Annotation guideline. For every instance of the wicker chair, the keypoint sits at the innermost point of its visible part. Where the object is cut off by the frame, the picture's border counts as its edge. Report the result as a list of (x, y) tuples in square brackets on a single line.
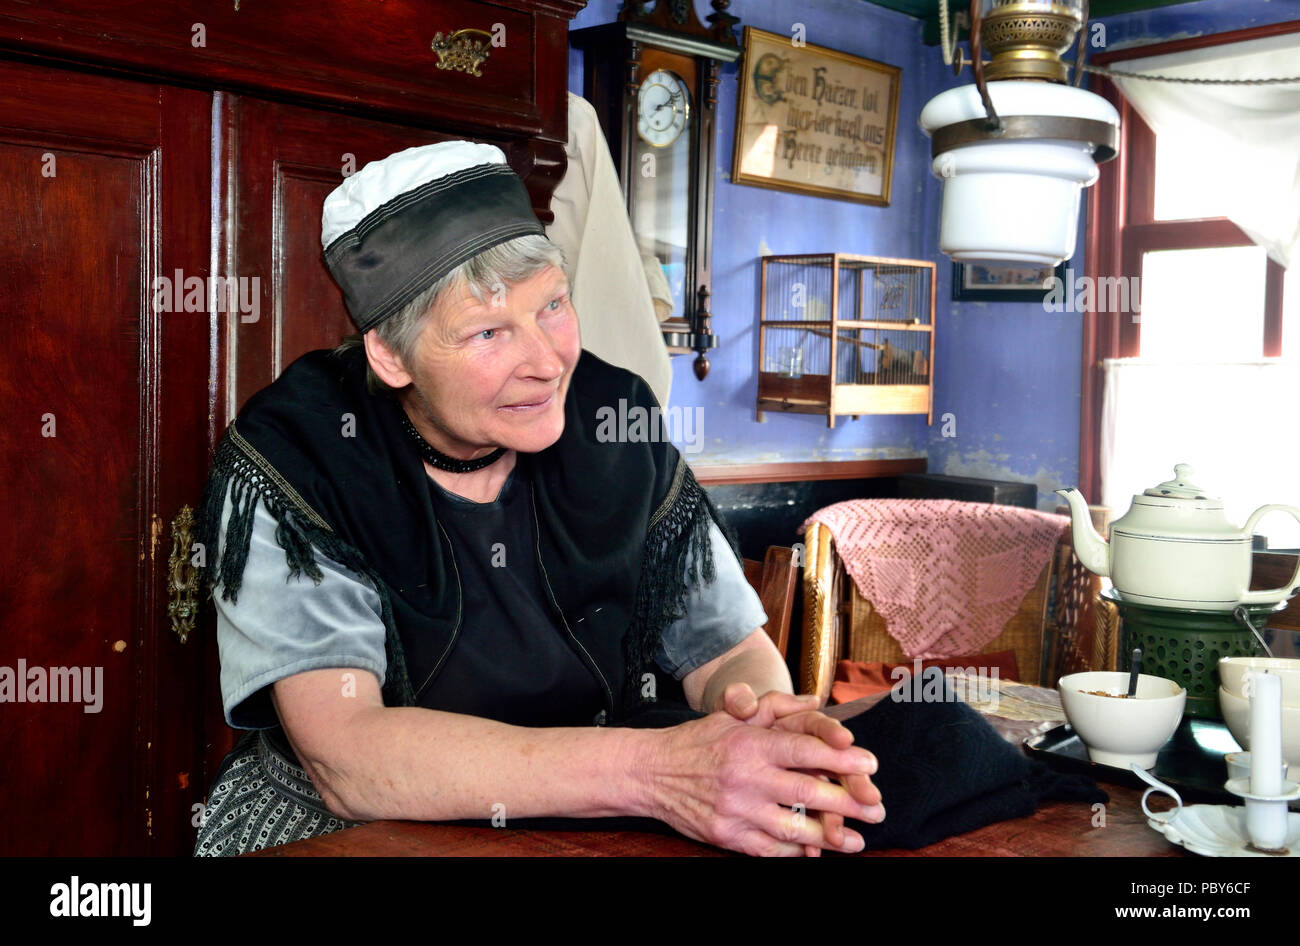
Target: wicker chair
[(1083, 629), (840, 624), (1105, 641)]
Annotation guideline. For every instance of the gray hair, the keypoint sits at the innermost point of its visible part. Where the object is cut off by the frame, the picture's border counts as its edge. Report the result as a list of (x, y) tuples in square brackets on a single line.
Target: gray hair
[(489, 272)]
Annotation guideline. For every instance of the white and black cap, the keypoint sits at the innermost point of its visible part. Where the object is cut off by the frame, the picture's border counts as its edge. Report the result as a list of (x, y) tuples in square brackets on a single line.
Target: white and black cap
[(398, 225)]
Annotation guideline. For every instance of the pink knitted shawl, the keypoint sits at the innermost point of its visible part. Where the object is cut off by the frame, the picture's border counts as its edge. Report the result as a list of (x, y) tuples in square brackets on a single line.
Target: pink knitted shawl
[(946, 576)]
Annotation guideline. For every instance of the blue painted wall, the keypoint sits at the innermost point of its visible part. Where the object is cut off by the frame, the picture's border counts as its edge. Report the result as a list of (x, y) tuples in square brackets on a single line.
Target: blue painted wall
[(750, 222), (1008, 373)]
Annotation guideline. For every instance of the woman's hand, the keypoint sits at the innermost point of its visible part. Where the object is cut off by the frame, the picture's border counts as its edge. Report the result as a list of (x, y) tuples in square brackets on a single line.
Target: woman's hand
[(801, 714), (733, 784)]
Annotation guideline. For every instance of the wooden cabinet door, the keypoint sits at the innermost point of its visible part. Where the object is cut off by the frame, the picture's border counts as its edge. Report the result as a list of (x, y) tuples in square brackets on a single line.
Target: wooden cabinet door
[(104, 187)]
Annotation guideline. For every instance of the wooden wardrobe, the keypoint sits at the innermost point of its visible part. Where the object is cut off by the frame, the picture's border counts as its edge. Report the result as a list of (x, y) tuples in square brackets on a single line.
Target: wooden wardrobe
[(144, 140)]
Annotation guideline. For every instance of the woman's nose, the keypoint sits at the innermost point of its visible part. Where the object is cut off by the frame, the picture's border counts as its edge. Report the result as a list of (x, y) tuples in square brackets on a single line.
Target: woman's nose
[(541, 357)]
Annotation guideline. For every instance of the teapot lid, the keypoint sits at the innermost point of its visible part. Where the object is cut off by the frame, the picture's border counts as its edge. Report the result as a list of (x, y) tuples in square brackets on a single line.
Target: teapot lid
[(1180, 487)]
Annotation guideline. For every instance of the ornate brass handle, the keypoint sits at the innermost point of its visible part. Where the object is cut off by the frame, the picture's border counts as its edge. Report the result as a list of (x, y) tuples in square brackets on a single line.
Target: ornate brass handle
[(461, 51), (182, 576)]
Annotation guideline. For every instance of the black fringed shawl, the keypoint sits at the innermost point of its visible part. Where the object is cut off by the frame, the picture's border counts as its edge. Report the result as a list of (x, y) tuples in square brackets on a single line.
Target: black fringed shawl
[(330, 462)]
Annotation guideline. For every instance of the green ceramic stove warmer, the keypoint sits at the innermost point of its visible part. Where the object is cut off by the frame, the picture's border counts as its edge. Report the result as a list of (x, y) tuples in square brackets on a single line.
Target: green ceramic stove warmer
[(1185, 645)]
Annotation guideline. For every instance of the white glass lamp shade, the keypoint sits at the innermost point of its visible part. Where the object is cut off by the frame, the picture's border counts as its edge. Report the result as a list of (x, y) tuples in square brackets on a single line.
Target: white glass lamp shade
[(1014, 200)]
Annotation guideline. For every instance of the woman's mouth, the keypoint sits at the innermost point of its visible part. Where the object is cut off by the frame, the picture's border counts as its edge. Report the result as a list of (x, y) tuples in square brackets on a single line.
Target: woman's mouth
[(528, 407)]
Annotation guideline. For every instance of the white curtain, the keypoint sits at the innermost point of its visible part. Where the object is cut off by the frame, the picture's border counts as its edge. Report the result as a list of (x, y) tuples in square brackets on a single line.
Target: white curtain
[(1235, 424), (1245, 139)]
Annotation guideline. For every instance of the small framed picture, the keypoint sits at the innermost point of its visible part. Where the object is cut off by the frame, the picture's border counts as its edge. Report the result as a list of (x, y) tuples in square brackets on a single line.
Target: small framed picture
[(1003, 282)]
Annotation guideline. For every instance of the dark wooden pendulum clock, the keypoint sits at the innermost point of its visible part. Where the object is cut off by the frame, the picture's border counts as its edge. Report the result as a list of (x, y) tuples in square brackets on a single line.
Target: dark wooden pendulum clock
[(652, 78)]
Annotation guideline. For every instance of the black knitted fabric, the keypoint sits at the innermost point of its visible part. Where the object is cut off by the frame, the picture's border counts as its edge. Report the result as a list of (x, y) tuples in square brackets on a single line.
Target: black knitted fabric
[(945, 771)]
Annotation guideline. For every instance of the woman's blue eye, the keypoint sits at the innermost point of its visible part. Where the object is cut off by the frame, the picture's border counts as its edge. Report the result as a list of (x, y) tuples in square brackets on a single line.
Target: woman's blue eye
[(487, 334), (554, 304)]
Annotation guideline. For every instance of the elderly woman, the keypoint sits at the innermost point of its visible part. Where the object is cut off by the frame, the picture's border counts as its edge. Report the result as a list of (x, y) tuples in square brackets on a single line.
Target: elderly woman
[(507, 615)]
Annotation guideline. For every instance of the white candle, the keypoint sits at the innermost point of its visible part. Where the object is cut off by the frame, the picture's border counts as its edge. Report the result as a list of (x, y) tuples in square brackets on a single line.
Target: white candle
[(1265, 733)]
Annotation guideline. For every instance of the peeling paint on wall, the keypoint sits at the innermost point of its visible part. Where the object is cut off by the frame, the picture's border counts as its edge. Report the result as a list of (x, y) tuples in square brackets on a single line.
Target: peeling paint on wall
[(739, 457), (985, 465)]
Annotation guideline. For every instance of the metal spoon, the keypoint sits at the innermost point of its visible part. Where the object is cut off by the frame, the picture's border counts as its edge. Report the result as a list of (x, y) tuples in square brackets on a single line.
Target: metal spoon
[(1133, 674)]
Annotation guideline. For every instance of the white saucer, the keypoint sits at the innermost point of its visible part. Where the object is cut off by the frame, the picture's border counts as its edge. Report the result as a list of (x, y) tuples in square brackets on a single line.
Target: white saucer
[(1220, 831)]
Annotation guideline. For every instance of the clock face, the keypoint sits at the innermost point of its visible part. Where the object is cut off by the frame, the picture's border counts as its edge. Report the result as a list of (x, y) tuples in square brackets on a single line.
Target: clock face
[(663, 108)]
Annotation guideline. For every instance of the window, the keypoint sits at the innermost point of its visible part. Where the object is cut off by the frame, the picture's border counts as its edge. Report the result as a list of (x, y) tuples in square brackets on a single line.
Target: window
[(1200, 302), (1208, 370)]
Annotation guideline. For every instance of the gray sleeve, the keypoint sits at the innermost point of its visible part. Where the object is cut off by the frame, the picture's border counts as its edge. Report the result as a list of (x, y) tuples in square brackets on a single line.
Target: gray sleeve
[(718, 616), (282, 626)]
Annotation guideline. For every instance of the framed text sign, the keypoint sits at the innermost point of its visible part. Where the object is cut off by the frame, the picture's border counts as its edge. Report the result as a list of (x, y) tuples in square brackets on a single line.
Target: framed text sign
[(814, 121)]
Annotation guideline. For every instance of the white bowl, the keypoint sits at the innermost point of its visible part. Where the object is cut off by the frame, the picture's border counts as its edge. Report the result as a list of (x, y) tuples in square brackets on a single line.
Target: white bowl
[(1121, 731), (1232, 674), (1236, 714)]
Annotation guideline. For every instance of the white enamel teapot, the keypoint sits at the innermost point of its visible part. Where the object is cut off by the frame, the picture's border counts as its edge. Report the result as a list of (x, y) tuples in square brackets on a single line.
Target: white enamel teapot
[(1175, 548)]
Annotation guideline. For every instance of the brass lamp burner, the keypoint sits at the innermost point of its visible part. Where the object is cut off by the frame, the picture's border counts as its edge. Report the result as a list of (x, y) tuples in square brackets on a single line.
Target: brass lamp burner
[(1027, 39)]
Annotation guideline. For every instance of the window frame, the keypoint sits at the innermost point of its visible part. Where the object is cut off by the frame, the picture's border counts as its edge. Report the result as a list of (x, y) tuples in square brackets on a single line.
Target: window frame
[(1122, 227)]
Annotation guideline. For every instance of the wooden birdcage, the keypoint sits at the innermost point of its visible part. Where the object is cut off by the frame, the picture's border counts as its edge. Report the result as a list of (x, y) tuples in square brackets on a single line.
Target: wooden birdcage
[(879, 313)]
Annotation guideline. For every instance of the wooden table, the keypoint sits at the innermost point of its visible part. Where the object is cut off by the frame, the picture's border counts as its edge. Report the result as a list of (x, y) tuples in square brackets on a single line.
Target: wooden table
[(1058, 829)]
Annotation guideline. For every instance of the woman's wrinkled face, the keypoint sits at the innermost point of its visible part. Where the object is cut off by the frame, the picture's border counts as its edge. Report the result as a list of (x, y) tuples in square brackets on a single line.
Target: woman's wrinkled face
[(495, 373)]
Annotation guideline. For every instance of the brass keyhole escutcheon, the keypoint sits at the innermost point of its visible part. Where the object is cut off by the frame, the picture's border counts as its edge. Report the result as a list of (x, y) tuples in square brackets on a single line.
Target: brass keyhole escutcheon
[(182, 576)]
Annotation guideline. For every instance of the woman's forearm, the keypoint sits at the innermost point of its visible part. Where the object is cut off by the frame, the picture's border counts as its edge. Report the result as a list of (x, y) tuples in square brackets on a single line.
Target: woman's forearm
[(762, 668), (423, 765), (716, 779)]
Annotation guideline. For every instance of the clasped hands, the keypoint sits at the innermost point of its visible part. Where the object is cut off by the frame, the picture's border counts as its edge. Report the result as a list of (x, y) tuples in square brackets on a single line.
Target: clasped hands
[(801, 714), (768, 775)]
